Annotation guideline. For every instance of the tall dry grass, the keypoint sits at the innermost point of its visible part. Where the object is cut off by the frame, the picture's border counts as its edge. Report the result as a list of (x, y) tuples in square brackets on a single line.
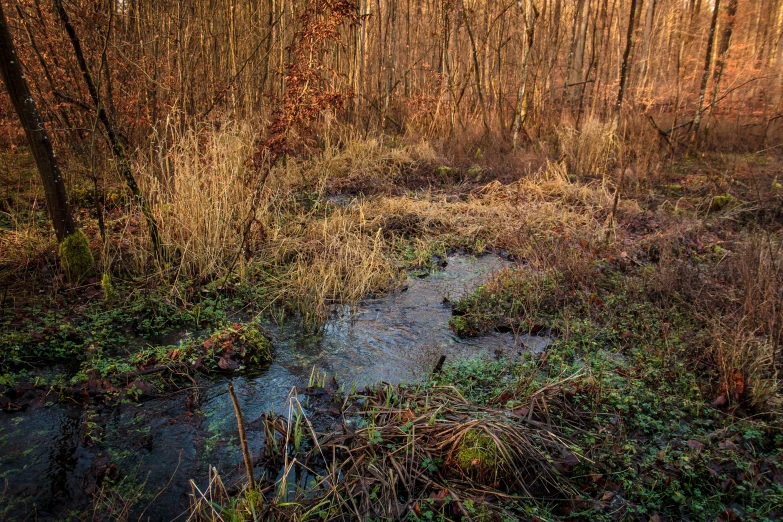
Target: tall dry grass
[(202, 191), (747, 346), (328, 258), (590, 150), (319, 253)]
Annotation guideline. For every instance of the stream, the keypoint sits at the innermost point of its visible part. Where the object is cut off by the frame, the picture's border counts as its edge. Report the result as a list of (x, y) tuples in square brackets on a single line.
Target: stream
[(53, 456)]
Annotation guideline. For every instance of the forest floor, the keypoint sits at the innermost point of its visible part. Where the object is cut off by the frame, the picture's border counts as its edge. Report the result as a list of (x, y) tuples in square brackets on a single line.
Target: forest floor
[(658, 400)]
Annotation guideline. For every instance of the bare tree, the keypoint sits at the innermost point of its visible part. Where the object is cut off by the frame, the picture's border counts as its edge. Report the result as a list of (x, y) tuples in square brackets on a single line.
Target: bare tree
[(723, 48), (626, 56), (705, 75)]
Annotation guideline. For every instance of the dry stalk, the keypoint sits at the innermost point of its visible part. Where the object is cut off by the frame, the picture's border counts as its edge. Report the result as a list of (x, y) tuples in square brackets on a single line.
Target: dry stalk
[(242, 438)]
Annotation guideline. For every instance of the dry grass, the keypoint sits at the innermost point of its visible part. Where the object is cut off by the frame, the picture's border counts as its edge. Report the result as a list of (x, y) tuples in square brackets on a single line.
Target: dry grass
[(25, 235), (745, 304), (202, 192), (371, 165), (22, 242), (320, 253), (317, 253), (511, 216), (591, 150), (320, 260), (314, 252), (444, 448), (744, 366)]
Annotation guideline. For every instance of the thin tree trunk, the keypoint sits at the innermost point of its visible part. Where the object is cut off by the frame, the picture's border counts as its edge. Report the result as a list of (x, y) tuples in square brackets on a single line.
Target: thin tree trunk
[(626, 57), (477, 70), (530, 16), (705, 76), (648, 27), (723, 49)]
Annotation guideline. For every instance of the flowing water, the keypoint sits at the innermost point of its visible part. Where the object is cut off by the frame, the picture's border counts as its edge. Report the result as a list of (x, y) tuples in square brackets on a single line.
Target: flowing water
[(53, 456)]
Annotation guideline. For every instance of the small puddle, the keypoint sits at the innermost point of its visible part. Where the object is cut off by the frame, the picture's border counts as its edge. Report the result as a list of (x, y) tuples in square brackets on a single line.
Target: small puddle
[(47, 464)]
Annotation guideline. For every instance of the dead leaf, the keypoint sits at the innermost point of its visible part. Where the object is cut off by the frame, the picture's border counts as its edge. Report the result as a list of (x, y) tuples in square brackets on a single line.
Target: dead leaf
[(226, 363), (727, 445), (694, 444)]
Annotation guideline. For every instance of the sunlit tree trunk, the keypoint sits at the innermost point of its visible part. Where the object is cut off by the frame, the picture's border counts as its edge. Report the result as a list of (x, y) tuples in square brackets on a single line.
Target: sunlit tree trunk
[(476, 70), (529, 14), (705, 76), (723, 48), (626, 57)]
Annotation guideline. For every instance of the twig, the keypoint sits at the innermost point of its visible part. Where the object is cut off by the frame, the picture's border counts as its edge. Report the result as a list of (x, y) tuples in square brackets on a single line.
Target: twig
[(242, 438), (616, 196)]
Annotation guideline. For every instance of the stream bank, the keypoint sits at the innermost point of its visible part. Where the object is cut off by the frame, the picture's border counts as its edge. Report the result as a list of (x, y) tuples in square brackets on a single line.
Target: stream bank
[(56, 456)]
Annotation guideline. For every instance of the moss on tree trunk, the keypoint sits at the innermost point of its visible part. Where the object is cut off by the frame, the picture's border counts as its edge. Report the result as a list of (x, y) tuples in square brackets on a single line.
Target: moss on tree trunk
[(76, 257)]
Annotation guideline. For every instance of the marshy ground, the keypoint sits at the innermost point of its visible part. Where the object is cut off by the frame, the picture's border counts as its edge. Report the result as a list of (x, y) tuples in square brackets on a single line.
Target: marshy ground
[(656, 277)]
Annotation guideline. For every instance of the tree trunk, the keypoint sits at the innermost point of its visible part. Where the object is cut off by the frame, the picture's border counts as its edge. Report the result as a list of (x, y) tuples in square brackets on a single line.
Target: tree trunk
[(648, 29), (477, 70), (530, 16), (37, 136), (705, 76), (626, 57), (723, 47)]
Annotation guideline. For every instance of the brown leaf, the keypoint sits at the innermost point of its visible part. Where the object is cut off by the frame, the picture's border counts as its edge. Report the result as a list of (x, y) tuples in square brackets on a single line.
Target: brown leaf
[(694, 444), (727, 445), (227, 363), (567, 462)]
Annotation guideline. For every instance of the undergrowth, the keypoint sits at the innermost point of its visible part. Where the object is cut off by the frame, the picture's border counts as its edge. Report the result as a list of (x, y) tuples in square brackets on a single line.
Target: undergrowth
[(659, 398)]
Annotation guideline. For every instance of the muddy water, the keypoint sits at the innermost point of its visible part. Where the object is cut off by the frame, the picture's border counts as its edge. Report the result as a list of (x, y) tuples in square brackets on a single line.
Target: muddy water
[(52, 457)]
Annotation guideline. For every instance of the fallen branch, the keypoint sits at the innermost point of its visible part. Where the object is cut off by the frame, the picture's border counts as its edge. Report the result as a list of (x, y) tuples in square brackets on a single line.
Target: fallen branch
[(242, 438)]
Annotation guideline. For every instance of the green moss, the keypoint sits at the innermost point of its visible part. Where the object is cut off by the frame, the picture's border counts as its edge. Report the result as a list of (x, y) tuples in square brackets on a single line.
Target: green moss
[(443, 171), (718, 202), (475, 172), (462, 327), (75, 256), (515, 299), (109, 292), (478, 457)]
